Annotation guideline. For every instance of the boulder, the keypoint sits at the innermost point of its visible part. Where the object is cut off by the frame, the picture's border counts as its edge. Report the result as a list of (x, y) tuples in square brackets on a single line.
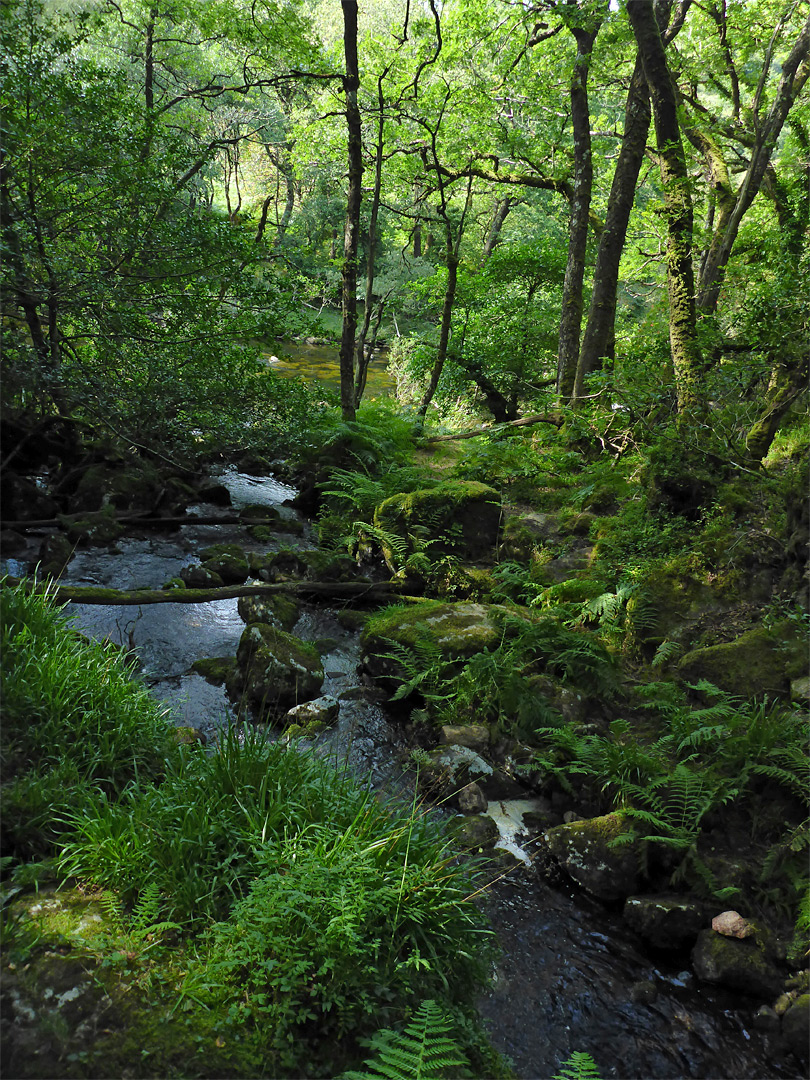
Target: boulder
[(796, 1027), (474, 736), (200, 577), (472, 800), (450, 631), (666, 921), (94, 528), (461, 515), (55, 553), (276, 670), (583, 849), (760, 661), (736, 964), (322, 711), (279, 611), (478, 833), (228, 561)]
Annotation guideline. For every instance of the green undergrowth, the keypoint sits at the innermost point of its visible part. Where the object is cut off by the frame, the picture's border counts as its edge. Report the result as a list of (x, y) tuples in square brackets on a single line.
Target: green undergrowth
[(266, 910), (695, 777)]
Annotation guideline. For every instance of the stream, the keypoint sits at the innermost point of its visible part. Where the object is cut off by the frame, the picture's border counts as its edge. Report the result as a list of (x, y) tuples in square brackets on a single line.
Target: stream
[(571, 975)]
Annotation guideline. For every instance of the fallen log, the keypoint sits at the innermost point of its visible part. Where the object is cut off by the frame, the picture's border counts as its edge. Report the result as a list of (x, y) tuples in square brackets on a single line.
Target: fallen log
[(137, 519), (535, 418), (330, 590)]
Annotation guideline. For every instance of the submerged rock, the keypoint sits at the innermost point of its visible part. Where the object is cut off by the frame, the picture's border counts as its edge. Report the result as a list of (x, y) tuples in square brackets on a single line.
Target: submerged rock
[(666, 921), (275, 670), (583, 849)]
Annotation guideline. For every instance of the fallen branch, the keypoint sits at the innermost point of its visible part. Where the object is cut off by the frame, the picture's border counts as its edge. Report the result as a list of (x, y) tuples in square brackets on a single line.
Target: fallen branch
[(332, 590), (137, 519), (535, 418)]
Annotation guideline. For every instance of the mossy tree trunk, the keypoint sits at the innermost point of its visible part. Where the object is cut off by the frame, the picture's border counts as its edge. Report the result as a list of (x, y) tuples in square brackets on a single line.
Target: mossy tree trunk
[(351, 85), (686, 355), (572, 301)]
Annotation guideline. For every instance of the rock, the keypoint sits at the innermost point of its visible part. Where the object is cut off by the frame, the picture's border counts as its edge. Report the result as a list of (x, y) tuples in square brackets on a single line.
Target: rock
[(665, 921), (459, 764), (279, 611), (474, 736), (130, 485), (217, 494), (228, 561), (766, 1019), (95, 528), (479, 833), (737, 965), (796, 1027), (214, 669), (54, 554), (188, 736), (472, 800), (259, 512), (462, 515), (200, 577), (732, 924), (760, 661), (451, 631), (583, 849), (322, 710), (800, 690), (644, 992), (277, 670)]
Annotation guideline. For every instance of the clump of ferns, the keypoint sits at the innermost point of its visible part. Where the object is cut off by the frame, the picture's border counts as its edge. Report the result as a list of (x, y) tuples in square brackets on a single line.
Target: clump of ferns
[(623, 617)]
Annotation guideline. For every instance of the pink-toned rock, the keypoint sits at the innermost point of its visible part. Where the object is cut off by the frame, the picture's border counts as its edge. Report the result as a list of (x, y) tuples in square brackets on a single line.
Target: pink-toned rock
[(732, 924)]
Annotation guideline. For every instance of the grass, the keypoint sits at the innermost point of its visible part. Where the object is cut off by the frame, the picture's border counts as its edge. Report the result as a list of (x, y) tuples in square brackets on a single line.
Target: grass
[(255, 893)]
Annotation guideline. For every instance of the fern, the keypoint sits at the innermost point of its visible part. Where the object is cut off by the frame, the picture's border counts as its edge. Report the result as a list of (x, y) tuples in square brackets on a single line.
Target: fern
[(668, 650), (580, 1066), (422, 1051)]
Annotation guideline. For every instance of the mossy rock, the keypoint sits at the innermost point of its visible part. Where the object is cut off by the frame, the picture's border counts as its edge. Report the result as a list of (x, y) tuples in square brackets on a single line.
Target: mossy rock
[(760, 661), (450, 631), (200, 577), (667, 921), (229, 561), (584, 850), (133, 485), (277, 670), (796, 1027), (214, 669), (54, 554), (736, 964), (279, 611), (327, 566), (463, 516), (475, 833), (96, 528), (259, 512)]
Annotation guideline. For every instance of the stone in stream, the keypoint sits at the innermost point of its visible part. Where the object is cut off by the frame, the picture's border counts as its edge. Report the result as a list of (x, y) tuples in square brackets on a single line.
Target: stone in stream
[(666, 921), (322, 711), (741, 965), (796, 1027), (275, 670), (227, 560), (583, 849), (279, 611)]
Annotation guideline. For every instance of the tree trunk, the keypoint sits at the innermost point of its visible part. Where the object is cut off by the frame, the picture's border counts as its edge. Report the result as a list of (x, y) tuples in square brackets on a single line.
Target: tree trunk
[(572, 302), (362, 355), (351, 85), (686, 357), (502, 208), (444, 333), (598, 340)]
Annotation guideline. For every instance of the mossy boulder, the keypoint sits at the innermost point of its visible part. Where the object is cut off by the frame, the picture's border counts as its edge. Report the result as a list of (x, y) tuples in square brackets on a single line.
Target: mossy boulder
[(475, 833), (200, 577), (275, 670), (796, 1027), (229, 561), (313, 716), (54, 554), (449, 631), (586, 851), (666, 921), (214, 669), (760, 661), (737, 964), (131, 485), (95, 528), (462, 516), (279, 611)]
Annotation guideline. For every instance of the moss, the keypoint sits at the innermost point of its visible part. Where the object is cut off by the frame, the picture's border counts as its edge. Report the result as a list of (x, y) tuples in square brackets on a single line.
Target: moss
[(214, 669), (262, 533), (738, 965), (462, 515), (228, 561), (760, 661), (96, 528)]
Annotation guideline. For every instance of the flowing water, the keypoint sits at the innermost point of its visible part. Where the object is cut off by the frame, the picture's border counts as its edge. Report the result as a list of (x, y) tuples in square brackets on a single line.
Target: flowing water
[(571, 975)]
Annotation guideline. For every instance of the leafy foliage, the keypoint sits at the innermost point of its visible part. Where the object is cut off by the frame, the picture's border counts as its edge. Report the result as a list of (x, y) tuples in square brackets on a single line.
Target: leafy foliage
[(580, 1066), (423, 1050)]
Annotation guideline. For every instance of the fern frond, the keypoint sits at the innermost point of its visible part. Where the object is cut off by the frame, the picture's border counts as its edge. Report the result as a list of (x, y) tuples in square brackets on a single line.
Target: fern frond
[(423, 1051), (580, 1066)]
